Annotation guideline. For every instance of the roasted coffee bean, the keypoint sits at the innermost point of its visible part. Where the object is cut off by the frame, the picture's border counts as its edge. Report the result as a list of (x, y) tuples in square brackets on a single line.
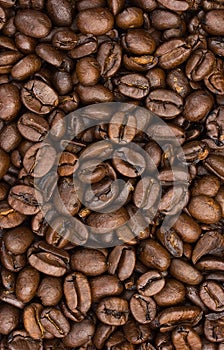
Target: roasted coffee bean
[(113, 311), (102, 286), (79, 334), (90, 65), (96, 21), (38, 97), (138, 42), (133, 85), (147, 193), (128, 162), (185, 337), (91, 262), (62, 15), (33, 127), (173, 53), (205, 209), (9, 93), (196, 98), (50, 291), (200, 64), (38, 24), (109, 58), (18, 240), (54, 322), (27, 283), (25, 199), (153, 255), (166, 104), (9, 317), (143, 308), (212, 22), (184, 272), (121, 262), (130, 18)]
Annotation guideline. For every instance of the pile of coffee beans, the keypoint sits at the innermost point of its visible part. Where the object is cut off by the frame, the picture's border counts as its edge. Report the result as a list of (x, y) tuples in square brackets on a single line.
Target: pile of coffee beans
[(111, 174)]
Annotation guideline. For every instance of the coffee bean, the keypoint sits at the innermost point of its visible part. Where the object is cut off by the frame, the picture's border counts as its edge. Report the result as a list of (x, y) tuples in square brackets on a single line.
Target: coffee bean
[(205, 209), (62, 15), (37, 24), (167, 104), (27, 283), (113, 311), (9, 316), (10, 110), (96, 21)]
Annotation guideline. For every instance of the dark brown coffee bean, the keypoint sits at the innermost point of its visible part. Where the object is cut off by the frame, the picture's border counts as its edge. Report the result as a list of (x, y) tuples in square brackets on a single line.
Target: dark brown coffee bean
[(90, 65), (90, 262), (50, 291), (27, 283), (48, 263), (9, 318), (213, 327), (136, 334), (187, 228), (195, 99), (113, 311), (146, 193), (18, 240), (26, 67), (96, 21), (173, 53), (213, 22), (9, 217), (9, 93), (10, 137), (105, 285), (200, 64), (25, 199), (121, 262), (205, 209), (130, 18), (7, 59), (5, 162), (122, 127), (37, 24), (164, 103), (128, 162), (175, 5), (54, 322), (60, 12), (184, 272), (170, 317), (143, 308), (185, 337), (214, 81), (178, 82), (172, 293), (25, 43), (139, 42), (33, 127), (171, 241), (109, 58), (64, 39), (38, 97), (150, 283), (79, 334), (214, 163), (153, 255), (133, 85), (94, 94), (212, 295)]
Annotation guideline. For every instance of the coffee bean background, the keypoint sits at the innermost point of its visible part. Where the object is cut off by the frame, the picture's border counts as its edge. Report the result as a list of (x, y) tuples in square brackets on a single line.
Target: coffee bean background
[(117, 286)]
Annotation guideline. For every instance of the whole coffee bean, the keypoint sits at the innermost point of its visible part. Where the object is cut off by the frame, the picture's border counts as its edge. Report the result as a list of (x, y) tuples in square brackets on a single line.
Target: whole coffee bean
[(50, 291), (38, 24), (77, 294), (195, 99), (18, 240), (60, 12), (79, 334), (64, 39), (91, 262), (171, 241), (33, 127), (25, 199), (143, 308), (85, 46), (185, 337), (178, 82), (150, 283), (165, 103), (27, 283), (171, 19), (153, 255), (38, 97), (9, 318), (47, 263), (172, 293), (22, 340), (94, 94), (187, 228), (26, 67), (9, 217), (109, 58), (184, 272), (200, 64), (138, 42), (205, 209), (90, 65), (212, 22), (10, 137), (96, 21), (25, 43), (35, 162), (113, 311), (51, 55), (121, 262), (146, 193), (5, 162), (133, 85), (136, 334), (128, 162), (170, 317), (213, 327), (212, 294), (173, 53), (105, 285), (214, 163), (130, 18), (215, 125), (9, 110), (54, 322)]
